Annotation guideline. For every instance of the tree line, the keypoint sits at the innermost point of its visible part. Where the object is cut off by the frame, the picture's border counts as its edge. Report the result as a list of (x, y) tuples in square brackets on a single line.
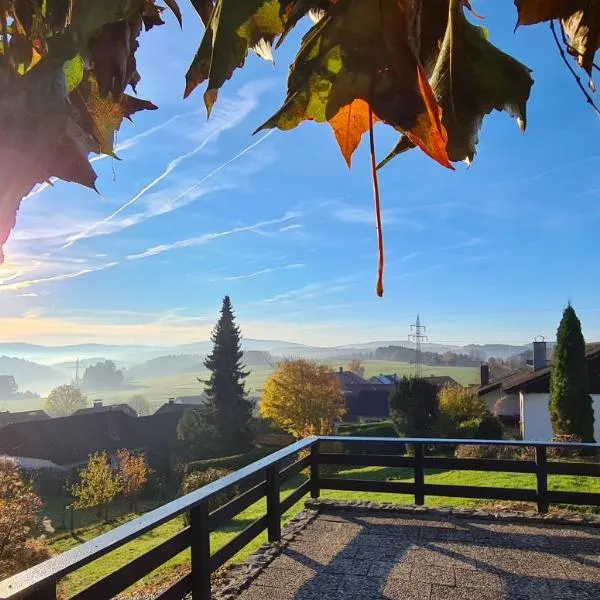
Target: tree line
[(403, 354)]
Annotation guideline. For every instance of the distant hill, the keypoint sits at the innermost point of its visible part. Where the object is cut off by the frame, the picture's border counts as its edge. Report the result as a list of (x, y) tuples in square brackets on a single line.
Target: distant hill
[(30, 375), (158, 361), (165, 366)]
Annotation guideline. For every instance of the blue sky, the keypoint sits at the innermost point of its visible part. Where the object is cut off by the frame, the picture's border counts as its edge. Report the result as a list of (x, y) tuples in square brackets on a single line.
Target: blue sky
[(198, 209)]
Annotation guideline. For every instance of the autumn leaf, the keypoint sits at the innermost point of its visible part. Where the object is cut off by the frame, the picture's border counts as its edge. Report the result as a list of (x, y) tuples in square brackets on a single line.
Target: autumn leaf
[(204, 9), (293, 10), (539, 11), (580, 20), (470, 79), (348, 57), (40, 134), (101, 116), (233, 29), (349, 124)]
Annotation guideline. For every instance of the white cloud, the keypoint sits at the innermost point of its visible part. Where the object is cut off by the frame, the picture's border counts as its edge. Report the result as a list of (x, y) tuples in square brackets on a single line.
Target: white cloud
[(25, 283)]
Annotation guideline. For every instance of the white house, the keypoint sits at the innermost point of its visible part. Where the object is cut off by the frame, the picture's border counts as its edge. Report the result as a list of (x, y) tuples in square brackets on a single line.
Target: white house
[(496, 399), (533, 391)]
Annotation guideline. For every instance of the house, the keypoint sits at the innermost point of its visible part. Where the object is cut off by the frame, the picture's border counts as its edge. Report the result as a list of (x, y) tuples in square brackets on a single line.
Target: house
[(533, 391), (365, 400), (494, 393), (172, 406), (439, 381), (70, 440), (98, 407), (8, 418)]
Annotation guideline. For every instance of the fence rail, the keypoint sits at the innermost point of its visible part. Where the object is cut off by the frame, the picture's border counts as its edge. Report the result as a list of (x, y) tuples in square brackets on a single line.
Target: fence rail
[(266, 477)]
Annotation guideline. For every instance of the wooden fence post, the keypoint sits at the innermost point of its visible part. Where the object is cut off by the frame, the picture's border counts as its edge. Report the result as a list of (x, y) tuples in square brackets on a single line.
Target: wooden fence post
[(419, 475), (541, 475), (200, 551), (315, 490), (273, 507)]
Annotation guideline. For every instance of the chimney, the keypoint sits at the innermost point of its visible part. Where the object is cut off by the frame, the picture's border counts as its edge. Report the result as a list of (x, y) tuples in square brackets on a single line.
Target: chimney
[(341, 369), (484, 372), (171, 401), (97, 403), (539, 353)]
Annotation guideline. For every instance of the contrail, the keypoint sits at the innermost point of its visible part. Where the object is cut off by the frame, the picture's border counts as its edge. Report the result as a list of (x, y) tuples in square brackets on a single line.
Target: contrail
[(225, 165), (124, 145), (170, 167)]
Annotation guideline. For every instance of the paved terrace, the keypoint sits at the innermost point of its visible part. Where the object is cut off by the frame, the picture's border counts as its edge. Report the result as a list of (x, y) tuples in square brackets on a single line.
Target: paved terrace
[(366, 555)]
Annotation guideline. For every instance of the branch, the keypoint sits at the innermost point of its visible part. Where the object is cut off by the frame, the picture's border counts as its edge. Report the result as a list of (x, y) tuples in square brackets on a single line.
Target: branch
[(577, 78)]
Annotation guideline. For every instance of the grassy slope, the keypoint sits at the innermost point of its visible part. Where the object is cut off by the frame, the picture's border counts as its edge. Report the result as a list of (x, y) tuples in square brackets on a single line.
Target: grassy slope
[(99, 568)]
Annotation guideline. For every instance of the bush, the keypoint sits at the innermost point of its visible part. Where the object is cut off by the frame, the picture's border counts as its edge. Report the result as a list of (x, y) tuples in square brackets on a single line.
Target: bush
[(490, 428), (502, 452), (198, 479)]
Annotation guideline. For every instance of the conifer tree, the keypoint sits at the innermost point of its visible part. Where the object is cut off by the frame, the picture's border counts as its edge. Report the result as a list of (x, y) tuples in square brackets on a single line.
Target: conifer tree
[(571, 409), (227, 408)]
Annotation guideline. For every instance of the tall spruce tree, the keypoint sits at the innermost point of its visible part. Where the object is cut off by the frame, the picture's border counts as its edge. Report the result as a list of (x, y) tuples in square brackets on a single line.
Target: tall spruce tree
[(227, 409), (571, 408)]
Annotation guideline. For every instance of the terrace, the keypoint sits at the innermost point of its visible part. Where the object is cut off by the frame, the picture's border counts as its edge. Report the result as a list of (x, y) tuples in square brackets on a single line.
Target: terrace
[(366, 552)]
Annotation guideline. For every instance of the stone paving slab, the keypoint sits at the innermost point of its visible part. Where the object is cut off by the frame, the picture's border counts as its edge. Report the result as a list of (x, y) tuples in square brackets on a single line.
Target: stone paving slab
[(366, 555)]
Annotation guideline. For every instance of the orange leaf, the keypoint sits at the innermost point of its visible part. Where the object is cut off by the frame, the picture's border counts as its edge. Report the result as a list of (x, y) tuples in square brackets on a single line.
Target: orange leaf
[(429, 133), (349, 124)]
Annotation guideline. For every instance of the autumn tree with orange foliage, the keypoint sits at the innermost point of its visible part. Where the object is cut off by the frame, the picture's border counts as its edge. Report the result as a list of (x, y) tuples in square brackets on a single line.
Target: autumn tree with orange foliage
[(303, 398), (132, 473), (19, 519)]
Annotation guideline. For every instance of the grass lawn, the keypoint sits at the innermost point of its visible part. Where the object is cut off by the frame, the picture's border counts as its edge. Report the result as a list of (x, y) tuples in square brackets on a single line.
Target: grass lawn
[(87, 575)]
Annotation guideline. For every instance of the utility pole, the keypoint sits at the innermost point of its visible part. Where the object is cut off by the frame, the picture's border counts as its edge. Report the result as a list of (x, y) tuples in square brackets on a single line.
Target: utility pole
[(77, 373), (418, 336)]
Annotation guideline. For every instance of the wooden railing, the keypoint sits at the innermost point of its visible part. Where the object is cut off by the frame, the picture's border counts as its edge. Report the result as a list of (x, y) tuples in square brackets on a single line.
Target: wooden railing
[(263, 479)]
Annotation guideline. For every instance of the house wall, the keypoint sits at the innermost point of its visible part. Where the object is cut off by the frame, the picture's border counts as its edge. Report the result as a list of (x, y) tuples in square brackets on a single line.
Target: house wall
[(535, 416)]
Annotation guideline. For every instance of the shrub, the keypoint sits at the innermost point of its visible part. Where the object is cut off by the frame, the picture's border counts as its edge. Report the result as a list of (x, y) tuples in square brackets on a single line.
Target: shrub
[(502, 452), (198, 479), (490, 428), (228, 463)]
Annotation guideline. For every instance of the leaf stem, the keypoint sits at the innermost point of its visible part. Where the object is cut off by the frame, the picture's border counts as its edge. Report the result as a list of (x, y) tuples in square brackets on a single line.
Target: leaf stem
[(577, 78), (380, 248)]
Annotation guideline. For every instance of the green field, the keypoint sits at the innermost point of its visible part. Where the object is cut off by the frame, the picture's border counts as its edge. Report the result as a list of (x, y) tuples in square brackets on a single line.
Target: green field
[(158, 390), (169, 571)]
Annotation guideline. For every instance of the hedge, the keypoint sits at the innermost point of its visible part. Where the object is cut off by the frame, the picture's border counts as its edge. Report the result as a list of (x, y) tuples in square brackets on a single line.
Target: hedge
[(230, 463)]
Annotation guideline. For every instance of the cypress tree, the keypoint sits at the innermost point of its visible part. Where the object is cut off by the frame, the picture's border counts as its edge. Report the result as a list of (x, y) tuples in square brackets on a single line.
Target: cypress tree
[(571, 408), (227, 408)]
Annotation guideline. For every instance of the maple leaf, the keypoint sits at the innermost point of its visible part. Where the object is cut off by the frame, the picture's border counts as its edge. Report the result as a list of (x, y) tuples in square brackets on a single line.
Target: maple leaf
[(347, 56), (204, 9), (470, 79), (101, 116), (113, 55), (40, 134), (580, 20), (233, 29), (293, 10)]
